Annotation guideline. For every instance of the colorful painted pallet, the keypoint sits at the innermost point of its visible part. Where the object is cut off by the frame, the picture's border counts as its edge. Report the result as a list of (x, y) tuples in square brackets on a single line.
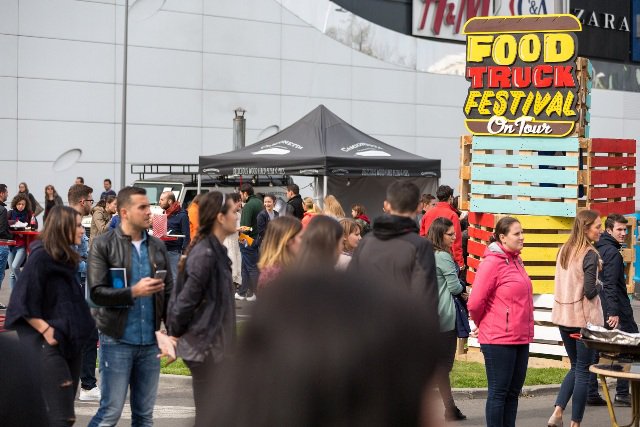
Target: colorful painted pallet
[(610, 175), (532, 176), (543, 237)]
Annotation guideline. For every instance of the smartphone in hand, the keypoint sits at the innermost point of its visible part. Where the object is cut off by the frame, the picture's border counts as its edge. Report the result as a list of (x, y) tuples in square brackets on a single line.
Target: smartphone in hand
[(161, 274)]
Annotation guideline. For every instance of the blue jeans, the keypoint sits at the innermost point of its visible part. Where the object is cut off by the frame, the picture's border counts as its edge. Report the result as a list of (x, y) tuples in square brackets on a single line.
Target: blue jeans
[(16, 258), (249, 269), (123, 365), (506, 367), (576, 382), (174, 259), (4, 256)]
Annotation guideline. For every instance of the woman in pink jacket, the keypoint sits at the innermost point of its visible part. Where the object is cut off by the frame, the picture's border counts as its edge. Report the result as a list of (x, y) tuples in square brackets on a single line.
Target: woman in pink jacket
[(501, 305)]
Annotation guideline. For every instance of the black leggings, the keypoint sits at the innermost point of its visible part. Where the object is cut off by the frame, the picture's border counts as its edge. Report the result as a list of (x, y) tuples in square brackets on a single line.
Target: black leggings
[(202, 378), (448, 341), (60, 377)]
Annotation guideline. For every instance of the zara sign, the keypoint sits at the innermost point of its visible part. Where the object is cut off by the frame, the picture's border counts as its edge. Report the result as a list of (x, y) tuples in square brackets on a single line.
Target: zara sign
[(606, 28)]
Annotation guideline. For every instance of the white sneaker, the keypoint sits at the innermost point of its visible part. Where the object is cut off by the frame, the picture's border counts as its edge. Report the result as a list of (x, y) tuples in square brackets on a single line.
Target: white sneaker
[(251, 298), (90, 395), (240, 297)]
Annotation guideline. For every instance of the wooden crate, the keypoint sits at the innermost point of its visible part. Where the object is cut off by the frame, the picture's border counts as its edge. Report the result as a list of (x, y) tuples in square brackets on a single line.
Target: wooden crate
[(547, 177), (544, 236), (610, 175)]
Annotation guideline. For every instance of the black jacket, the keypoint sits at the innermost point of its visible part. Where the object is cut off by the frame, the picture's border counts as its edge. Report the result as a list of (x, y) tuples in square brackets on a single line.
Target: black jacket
[(202, 306), (394, 254), (294, 207), (113, 250), (4, 224), (49, 290), (615, 301), (263, 221)]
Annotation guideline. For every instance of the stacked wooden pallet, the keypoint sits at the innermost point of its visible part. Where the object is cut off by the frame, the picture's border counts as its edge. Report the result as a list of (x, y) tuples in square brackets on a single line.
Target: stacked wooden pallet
[(547, 177)]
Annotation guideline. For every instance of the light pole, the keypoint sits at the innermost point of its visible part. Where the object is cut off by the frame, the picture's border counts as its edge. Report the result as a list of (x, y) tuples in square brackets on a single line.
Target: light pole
[(144, 9), (123, 135)]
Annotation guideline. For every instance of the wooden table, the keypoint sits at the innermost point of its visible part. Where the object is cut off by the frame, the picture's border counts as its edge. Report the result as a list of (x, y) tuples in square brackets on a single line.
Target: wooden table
[(626, 371), (29, 236)]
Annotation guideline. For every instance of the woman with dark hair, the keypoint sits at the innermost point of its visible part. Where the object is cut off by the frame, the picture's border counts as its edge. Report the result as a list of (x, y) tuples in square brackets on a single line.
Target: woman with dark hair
[(51, 199), (359, 214), (101, 217), (266, 215), (321, 244), (49, 312), (201, 313), (311, 357), (576, 304), (280, 245), (20, 211), (442, 235), (33, 204), (501, 305), (351, 235)]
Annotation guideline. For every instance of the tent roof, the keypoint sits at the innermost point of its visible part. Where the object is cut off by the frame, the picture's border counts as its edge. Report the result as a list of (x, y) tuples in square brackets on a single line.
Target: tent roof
[(318, 144)]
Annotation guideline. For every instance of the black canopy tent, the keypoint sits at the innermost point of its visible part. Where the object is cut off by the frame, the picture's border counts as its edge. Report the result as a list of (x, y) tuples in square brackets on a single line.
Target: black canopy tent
[(322, 144)]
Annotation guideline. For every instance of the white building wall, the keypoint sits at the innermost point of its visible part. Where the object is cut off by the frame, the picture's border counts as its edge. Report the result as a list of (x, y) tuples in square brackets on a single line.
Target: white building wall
[(190, 66)]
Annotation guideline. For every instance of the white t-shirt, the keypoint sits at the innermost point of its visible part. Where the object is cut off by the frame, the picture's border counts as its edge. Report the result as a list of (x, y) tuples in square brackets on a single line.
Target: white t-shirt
[(137, 244)]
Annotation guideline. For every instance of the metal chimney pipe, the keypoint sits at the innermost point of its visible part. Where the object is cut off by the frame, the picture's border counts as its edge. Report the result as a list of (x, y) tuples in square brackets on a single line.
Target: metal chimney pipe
[(239, 128)]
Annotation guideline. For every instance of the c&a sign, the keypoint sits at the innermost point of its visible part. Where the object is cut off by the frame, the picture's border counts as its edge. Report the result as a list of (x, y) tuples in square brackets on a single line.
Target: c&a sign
[(522, 75)]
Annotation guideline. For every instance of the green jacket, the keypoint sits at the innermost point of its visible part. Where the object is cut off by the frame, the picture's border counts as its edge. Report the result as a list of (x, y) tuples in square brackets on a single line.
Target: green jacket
[(249, 217), (448, 285)]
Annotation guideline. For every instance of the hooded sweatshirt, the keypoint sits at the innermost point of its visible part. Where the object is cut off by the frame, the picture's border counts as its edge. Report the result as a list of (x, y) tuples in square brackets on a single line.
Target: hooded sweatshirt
[(501, 301), (395, 255)]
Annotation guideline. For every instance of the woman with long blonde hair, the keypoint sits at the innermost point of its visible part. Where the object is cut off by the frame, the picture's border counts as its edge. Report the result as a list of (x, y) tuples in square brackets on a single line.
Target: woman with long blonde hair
[(332, 207), (279, 247), (577, 304)]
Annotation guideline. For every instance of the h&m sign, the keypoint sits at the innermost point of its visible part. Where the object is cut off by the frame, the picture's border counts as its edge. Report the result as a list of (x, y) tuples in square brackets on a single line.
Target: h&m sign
[(444, 19)]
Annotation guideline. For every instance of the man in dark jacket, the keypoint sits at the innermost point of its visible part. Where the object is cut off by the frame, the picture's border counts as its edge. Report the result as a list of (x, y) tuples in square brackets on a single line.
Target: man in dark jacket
[(294, 204), (177, 223), (129, 313), (618, 313), (4, 234), (249, 252), (395, 254)]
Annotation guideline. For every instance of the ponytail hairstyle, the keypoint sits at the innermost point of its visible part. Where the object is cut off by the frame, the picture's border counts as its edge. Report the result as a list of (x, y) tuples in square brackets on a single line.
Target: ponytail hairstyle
[(502, 227), (211, 205), (578, 241)]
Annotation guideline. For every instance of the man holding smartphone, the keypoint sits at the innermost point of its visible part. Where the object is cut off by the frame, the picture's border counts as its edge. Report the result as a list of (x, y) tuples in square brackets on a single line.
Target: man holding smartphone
[(129, 317)]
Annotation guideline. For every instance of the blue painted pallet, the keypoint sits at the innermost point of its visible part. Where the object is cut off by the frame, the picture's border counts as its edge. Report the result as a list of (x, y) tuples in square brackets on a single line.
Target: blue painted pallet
[(535, 160), (550, 176), (521, 190), (571, 144), (524, 207)]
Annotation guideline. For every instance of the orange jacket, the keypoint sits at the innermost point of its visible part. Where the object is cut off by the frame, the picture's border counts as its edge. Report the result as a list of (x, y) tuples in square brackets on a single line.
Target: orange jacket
[(192, 211)]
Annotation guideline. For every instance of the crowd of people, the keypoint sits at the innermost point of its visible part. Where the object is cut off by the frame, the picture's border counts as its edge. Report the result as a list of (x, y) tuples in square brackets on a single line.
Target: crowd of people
[(356, 320)]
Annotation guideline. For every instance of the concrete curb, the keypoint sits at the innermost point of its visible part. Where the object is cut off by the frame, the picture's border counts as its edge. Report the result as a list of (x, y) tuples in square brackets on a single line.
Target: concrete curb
[(458, 393), (528, 391)]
